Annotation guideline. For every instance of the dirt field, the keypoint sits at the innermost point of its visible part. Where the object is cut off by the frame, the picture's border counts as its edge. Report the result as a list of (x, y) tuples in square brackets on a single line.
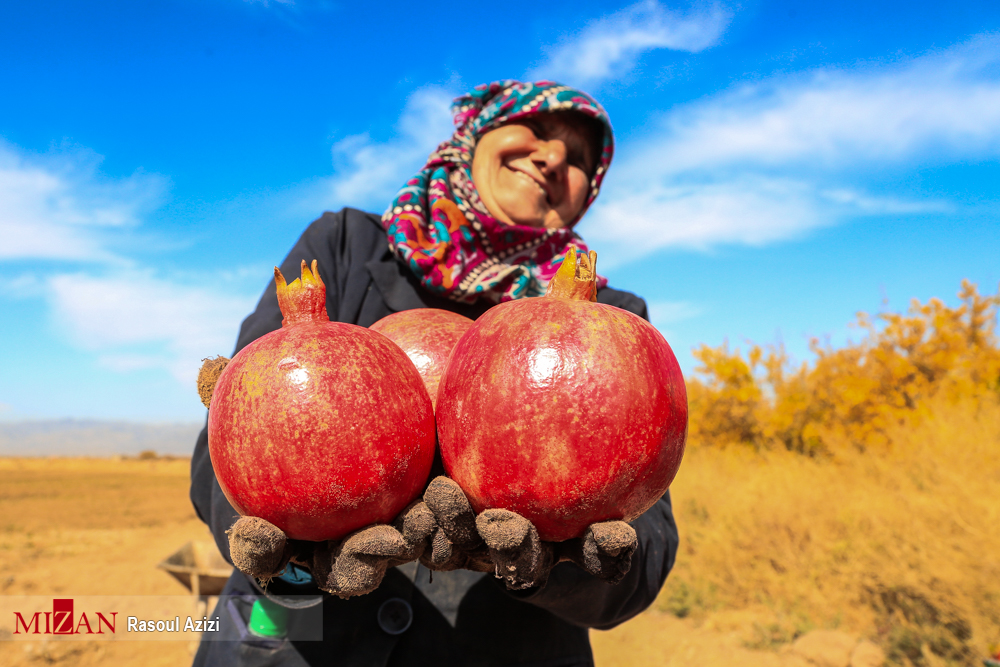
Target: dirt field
[(767, 561), (100, 526), (93, 527)]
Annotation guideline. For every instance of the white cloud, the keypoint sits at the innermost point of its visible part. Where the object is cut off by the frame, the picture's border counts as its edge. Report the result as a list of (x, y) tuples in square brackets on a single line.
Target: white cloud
[(770, 161), (944, 103), (57, 207), (369, 173), (662, 314), (136, 321), (611, 45), (60, 208), (27, 285), (749, 209)]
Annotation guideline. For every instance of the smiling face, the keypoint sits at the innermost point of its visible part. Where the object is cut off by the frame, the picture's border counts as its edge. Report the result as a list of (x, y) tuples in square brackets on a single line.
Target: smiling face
[(536, 171)]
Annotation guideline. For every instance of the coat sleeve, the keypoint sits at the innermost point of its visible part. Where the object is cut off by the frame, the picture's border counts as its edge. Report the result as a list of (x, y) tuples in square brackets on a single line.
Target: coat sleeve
[(582, 599), (320, 241)]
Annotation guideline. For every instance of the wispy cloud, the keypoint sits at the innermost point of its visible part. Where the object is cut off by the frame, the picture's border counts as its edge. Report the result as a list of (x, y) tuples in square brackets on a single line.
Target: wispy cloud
[(58, 207), (135, 320), (770, 161), (610, 46), (61, 209), (368, 173), (665, 313), (947, 104), (749, 209)]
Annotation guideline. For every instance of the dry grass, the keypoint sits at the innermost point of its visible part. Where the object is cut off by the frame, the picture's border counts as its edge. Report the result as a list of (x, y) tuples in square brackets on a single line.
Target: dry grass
[(900, 547)]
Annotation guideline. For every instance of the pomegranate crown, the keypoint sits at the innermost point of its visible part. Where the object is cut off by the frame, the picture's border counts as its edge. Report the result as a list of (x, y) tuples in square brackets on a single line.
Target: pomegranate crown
[(302, 300), (577, 276)]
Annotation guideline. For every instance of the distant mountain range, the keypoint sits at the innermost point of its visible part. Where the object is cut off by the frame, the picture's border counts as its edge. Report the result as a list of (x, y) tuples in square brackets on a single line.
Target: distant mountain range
[(72, 437)]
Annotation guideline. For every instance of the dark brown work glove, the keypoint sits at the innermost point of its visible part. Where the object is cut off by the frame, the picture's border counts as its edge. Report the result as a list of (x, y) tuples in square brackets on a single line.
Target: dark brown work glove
[(507, 544), (347, 567), (456, 542)]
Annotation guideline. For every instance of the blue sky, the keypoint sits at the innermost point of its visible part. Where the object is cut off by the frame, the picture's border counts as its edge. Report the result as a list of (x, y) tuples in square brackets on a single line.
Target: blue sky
[(779, 165)]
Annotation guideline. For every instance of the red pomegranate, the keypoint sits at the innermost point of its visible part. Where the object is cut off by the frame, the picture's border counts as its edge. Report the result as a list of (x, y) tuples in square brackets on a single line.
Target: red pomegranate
[(563, 410), (320, 427), (427, 335)]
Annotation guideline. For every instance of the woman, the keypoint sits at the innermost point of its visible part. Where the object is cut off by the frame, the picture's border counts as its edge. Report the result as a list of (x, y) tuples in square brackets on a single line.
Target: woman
[(488, 219)]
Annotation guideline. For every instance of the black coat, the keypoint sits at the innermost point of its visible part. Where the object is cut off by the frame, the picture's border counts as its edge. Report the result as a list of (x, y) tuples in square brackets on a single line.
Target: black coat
[(462, 618)]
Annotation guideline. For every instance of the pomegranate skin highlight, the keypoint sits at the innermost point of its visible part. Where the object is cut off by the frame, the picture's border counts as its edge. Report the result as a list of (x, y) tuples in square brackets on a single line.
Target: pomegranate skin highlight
[(427, 336), (564, 410), (320, 427)]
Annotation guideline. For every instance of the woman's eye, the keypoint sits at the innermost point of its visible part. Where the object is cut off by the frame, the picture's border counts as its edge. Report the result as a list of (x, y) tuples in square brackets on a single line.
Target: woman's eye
[(577, 159), (537, 129)]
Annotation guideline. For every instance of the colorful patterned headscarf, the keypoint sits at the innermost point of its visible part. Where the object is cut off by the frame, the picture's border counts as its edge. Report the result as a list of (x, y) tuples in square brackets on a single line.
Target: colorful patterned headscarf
[(441, 229)]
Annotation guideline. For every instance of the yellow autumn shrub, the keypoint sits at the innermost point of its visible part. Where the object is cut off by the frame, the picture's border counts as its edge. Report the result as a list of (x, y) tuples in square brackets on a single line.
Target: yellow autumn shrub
[(851, 397), (886, 529)]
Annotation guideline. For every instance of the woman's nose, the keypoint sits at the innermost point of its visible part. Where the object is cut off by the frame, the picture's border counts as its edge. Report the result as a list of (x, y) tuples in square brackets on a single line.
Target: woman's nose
[(550, 157)]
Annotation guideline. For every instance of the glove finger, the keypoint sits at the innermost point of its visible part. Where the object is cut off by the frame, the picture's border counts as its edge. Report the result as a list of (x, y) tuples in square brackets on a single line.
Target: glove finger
[(519, 556), (452, 511), (503, 530), (346, 574), (614, 537), (341, 569), (357, 574), (378, 540), (416, 523), (441, 548), (605, 550), (442, 556), (258, 548)]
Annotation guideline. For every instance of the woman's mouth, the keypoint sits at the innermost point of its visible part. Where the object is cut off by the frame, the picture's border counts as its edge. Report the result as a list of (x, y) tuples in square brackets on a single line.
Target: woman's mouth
[(541, 189)]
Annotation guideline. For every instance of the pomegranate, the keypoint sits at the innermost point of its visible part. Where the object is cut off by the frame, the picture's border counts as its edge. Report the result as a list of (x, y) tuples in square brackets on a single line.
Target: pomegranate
[(427, 335), (320, 427), (566, 411)]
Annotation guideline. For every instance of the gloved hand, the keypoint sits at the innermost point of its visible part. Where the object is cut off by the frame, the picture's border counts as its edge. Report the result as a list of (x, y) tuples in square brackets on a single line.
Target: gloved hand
[(347, 567), (508, 544)]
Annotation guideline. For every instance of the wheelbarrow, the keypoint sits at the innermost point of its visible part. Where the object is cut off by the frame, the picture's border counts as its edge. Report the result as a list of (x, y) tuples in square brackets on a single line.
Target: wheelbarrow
[(199, 567)]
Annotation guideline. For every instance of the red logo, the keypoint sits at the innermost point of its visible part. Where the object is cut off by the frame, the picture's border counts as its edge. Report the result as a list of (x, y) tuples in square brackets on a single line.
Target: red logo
[(60, 621), (62, 617)]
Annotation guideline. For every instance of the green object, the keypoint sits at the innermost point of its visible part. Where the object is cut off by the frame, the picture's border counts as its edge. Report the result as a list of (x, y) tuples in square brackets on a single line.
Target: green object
[(268, 619)]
